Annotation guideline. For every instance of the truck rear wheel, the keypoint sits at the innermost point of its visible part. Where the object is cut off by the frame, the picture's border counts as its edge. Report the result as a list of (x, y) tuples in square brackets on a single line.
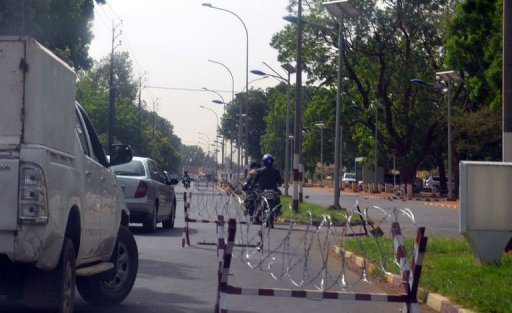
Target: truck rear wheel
[(55, 289), (126, 260)]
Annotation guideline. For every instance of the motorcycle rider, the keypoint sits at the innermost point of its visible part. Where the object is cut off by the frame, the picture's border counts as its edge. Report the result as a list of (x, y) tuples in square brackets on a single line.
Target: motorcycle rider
[(250, 197), (186, 180), (253, 168), (267, 177)]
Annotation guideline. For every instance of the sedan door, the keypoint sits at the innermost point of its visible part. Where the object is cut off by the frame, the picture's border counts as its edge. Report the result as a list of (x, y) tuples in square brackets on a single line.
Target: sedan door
[(164, 192)]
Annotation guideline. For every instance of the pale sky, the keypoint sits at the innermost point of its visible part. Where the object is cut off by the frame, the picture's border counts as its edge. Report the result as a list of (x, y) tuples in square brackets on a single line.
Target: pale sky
[(172, 41)]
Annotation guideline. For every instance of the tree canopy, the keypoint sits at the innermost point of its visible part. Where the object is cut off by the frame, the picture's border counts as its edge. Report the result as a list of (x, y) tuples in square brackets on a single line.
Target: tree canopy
[(63, 26)]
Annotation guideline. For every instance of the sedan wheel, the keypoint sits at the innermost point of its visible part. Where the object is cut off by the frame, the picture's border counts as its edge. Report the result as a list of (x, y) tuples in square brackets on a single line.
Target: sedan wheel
[(150, 224)]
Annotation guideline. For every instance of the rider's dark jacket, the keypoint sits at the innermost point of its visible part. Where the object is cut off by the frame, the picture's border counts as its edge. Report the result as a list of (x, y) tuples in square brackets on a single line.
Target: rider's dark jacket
[(267, 178)]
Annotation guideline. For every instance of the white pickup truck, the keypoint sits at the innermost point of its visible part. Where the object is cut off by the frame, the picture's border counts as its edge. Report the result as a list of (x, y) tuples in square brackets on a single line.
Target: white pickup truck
[(63, 218)]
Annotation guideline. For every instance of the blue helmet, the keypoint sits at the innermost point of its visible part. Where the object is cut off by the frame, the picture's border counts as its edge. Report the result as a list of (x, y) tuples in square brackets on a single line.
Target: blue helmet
[(268, 160)]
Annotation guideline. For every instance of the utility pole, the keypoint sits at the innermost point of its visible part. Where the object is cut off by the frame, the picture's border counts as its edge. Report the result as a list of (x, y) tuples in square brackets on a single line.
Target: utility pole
[(112, 90), (139, 117), (155, 103), (507, 81), (298, 114)]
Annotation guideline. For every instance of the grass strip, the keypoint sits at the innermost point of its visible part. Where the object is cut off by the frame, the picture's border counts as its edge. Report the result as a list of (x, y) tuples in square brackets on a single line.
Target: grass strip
[(337, 216), (450, 269)]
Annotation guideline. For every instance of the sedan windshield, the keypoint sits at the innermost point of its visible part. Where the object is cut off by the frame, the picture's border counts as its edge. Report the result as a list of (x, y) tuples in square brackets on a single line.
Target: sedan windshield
[(134, 168)]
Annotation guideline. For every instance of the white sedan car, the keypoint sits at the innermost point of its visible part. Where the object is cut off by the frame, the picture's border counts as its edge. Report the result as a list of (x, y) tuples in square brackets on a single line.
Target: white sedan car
[(148, 192)]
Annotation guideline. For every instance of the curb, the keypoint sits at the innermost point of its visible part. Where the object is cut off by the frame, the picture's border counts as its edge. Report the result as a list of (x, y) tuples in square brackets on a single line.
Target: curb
[(434, 301)]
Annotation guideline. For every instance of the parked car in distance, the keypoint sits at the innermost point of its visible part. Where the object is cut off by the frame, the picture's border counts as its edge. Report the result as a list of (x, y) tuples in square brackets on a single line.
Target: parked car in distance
[(434, 183), (348, 178), (148, 193), (417, 186)]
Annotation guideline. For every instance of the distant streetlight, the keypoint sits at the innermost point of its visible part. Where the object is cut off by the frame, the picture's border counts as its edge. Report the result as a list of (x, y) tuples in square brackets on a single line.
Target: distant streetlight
[(290, 69), (218, 130), (339, 9), (224, 102), (376, 108), (321, 125), (209, 5), (207, 137), (448, 78), (297, 149), (217, 120)]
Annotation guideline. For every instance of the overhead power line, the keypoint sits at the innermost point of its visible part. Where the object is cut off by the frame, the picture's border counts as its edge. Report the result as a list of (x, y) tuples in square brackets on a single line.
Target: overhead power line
[(183, 89)]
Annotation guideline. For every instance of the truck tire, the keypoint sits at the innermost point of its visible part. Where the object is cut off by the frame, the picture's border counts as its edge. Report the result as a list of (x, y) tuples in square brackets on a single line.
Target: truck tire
[(149, 225), (169, 223), (55, 289), (126, 260)]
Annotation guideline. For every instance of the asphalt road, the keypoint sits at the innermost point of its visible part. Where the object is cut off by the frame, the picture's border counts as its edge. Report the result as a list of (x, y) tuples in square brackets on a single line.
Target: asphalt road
[(438, 221), (178, 280)]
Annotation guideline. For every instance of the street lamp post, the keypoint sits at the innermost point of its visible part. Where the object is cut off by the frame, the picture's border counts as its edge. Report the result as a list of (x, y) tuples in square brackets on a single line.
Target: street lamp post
[(246, 68), (217, 120), (321, 125), (376, 150), (448, 78), (298, 114), (223, 102), (218, 129), (339, 9), (290, 69)]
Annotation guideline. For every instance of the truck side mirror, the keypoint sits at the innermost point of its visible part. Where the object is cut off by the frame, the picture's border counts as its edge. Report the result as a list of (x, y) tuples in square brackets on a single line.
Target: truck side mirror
[(120, 154)]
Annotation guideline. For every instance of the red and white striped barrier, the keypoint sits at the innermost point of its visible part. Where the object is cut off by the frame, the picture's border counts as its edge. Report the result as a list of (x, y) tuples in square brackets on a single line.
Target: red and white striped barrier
[(410, 282), (185, 239)]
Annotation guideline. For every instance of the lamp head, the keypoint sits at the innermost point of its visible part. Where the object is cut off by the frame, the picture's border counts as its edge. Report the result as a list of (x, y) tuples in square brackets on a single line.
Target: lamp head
[(291, 19), (207, 5), (257, 72), (418, 81)]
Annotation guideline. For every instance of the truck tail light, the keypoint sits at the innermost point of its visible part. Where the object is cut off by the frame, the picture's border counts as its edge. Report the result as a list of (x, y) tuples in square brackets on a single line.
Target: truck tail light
[(142, 190), (33, 199)]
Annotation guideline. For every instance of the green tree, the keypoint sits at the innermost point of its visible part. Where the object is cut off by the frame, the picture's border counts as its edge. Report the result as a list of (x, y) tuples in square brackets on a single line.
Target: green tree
[(273, 137), (474, 46), (158, 142), (257, 109), (385, 47), (63, 26)]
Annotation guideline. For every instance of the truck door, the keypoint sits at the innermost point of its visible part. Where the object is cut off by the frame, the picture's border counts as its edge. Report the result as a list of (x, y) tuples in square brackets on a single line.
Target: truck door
[(91, 194), (109, 213)]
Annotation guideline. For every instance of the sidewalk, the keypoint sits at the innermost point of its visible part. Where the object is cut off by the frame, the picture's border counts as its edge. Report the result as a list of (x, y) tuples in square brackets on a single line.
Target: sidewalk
[(424, 197)]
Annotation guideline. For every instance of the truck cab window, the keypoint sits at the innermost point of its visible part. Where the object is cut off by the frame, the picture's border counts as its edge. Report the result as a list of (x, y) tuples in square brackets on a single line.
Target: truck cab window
[(81, 135), (97, 149)]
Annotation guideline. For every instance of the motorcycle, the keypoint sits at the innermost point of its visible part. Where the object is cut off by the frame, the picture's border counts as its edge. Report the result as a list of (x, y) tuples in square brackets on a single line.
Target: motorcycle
[(269, 207)]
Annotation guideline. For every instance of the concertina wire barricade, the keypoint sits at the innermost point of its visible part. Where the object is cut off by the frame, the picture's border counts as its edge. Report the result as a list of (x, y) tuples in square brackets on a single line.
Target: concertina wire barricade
[(231, 204)]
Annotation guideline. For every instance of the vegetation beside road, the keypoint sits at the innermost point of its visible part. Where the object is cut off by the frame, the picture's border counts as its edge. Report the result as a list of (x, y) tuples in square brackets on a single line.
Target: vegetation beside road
[(450, 269), (337, 216)]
